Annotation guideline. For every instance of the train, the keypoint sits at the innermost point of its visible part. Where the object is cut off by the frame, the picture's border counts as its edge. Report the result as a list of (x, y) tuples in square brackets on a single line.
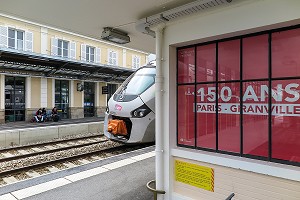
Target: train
[(133, 104)]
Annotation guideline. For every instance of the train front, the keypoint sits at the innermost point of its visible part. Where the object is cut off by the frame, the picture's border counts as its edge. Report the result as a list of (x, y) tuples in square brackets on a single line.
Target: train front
[(133, 104)]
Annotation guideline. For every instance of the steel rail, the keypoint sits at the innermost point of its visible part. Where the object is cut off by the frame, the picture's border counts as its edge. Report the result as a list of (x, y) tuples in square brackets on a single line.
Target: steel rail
[(47, 151), (48, 143), (52, 162)]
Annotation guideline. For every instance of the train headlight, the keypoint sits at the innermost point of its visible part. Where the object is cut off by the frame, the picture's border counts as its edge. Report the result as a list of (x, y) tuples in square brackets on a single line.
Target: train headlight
[(107, 109), (141, 111)]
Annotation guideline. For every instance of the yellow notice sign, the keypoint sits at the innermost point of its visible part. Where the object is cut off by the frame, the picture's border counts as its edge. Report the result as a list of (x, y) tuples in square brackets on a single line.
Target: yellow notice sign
[(195, 175)]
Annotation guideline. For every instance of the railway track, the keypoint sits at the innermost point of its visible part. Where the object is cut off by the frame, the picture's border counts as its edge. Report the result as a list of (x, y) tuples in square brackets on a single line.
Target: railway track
[(23, 162)]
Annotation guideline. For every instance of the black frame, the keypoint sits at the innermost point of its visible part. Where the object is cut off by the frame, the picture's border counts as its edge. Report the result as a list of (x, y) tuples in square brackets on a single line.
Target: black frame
[(14, 109), (65, 113), (241, 81)]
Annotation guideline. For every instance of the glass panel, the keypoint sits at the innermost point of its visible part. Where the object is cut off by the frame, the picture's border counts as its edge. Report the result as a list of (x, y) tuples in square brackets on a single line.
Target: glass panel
[(19, 35), (229, 117), (20, 44), (11, 33), (89, 99), (65, 53), (20, 115), (9, 116), (186, 65), (206, 116), (286, 120), (255, 118), (59, 52), (9, 104), (59, 44), (255, 57), (11, 43), (229, 60), (65, 44), (285, 53), (14, 99), (186, 115), (206, 63)]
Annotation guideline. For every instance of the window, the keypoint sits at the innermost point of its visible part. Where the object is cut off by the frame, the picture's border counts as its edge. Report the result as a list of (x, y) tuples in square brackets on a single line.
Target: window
[(244, 99), (90, 54), (112, 58), (136, 62), (15, 39), (63, 48)]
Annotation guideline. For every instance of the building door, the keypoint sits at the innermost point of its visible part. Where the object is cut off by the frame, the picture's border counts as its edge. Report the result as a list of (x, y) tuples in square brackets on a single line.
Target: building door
[(14, 99), (89, 99), (111, 90), (62, 98)]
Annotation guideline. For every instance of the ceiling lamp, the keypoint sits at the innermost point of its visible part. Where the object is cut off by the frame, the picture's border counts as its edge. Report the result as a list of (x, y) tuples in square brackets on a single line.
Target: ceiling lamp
[(114, 35)]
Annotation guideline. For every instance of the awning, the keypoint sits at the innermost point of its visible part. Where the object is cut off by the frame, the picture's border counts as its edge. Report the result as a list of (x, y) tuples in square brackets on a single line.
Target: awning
[(13, 61)]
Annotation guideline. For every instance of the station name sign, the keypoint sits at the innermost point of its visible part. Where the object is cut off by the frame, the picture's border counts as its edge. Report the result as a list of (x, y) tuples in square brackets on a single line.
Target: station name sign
[(285, 100)]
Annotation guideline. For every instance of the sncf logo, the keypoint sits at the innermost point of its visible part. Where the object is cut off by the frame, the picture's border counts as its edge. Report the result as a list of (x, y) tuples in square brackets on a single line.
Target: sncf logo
[(118, 107)]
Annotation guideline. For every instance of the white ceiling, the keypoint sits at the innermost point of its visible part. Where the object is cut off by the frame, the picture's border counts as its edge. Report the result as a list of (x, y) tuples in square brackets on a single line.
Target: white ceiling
[(89, 17)]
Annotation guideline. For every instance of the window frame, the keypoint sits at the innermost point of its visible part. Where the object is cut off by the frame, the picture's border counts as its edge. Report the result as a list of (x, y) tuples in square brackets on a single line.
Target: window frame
[(112, 57), (16, 46), (88, 55), (241, 81), (60, 50)]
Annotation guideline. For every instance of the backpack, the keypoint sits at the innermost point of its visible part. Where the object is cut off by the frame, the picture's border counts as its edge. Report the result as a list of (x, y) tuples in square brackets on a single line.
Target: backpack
[(117, 127)]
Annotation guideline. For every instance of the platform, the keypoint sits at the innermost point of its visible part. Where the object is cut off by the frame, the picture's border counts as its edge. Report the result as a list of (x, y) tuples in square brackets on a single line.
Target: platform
[(21, 133), (122, 177)]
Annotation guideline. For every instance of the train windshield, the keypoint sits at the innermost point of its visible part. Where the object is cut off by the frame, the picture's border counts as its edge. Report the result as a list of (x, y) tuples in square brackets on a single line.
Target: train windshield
[(139, 82)]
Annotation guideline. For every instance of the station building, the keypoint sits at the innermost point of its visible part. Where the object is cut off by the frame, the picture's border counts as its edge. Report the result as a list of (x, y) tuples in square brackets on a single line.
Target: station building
[(42, 66), (228, 89)]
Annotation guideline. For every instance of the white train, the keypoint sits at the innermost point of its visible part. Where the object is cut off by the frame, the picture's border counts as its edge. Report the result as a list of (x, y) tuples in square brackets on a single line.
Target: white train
[(134, 103)]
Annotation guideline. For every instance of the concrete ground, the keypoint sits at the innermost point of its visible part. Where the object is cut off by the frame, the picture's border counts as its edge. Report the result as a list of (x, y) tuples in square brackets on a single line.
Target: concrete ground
[(123, 177)]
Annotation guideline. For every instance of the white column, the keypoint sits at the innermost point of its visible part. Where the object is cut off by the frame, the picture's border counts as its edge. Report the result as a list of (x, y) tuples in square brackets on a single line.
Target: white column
[(124, 58), (28, 92), (159, 114), (53, 92), (44, 93), (71, 93), (82, 95), (44, 41), (97, 94), (2, 91)]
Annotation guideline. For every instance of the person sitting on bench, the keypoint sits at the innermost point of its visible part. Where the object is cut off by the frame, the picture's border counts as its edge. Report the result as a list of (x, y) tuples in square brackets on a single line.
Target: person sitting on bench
[(39, 116), (54, 114)]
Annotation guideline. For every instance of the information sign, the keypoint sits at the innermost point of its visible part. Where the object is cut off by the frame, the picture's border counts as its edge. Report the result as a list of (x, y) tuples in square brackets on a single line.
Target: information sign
[(195, 175)]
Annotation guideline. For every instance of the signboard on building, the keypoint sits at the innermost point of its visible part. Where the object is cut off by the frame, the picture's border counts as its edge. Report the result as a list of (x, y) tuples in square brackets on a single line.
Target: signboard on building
[(104, 90), (195, 175)]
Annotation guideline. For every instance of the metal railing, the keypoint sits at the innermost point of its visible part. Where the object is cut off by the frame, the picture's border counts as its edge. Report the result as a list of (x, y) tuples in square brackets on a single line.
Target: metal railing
[(152, 188), (230, 196)]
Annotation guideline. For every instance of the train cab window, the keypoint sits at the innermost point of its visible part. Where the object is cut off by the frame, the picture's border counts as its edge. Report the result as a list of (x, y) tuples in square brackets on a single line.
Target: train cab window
[(140, 81)]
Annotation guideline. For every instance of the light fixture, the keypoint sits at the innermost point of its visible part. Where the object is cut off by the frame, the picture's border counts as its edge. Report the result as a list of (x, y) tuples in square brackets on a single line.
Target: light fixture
[(114, 35)]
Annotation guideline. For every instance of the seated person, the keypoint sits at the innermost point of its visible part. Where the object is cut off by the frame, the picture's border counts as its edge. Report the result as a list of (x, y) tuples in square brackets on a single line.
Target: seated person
[(54, 114), (44, 114), (38, 116)]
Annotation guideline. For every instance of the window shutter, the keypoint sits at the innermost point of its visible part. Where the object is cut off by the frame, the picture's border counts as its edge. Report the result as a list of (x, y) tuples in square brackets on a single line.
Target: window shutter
[(72, 50), (83, 52), (115, 58), (54, 46), (3, 36), (109, 57), (98, 55), (133, 62), (28, 41)]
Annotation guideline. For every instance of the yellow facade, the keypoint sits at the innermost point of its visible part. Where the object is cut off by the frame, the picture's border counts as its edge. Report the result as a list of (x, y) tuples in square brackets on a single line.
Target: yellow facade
[(35, 92), (43, 41)]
